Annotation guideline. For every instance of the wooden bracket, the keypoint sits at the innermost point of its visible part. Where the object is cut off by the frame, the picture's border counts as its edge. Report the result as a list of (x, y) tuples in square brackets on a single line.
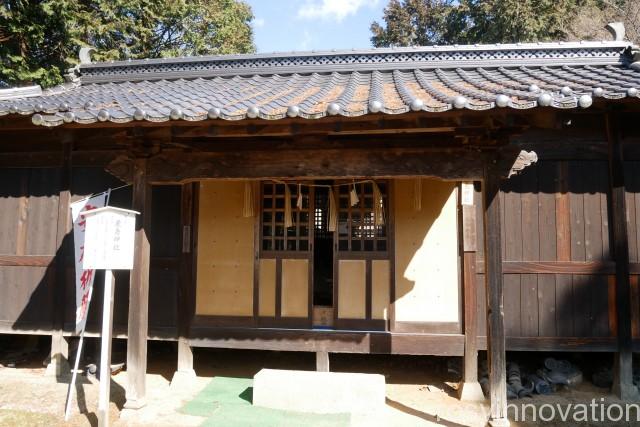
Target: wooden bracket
[(122, 168), (524, 159)]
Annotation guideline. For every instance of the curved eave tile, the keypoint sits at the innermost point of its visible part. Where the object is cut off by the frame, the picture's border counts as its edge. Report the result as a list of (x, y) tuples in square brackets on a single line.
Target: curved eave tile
[(194, 117), (480, 107), (523, 105), (614, 95), (353, 94), (565, 103), (272, 117), (392, 111), (312, 116)]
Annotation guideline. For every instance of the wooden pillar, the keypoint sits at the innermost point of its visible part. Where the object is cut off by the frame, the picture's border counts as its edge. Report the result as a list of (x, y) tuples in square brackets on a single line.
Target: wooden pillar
[(139, 290), (469, 389), (59, 346), (185, 289), (322, 361), (623, 374), (495, 300)]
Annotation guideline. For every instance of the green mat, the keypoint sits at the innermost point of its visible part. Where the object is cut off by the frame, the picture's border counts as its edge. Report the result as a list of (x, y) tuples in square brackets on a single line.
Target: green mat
[(226, 402)]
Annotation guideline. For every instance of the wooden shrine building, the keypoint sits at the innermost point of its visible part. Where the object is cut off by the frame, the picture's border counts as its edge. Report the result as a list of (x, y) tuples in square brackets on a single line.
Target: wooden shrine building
[(428, 200)]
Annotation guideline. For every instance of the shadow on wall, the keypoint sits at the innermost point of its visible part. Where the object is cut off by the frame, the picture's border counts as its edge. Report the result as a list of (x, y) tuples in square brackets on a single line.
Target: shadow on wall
[(28, 227), (427, 287), (29, 292), (29, 254)]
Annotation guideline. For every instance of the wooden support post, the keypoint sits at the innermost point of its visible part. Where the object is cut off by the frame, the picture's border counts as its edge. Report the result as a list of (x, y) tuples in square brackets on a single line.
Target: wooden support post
[(185, 288), (469, 389), (623, 374), (59, 365), (322, 361), (495, 300), (139, 291)]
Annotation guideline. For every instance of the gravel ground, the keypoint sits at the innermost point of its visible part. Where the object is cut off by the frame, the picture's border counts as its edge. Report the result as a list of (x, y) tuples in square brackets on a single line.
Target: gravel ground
[(420, 392)]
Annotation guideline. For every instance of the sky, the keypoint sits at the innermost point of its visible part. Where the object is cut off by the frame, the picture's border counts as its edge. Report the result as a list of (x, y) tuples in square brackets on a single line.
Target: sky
[(288, 25)]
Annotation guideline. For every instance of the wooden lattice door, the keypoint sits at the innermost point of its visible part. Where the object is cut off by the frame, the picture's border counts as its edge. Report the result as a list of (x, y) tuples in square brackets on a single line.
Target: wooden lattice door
[(362, 258), (284, 265)]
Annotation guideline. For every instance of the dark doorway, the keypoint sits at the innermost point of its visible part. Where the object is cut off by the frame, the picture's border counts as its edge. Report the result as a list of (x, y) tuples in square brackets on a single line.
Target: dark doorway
[(323, 248)]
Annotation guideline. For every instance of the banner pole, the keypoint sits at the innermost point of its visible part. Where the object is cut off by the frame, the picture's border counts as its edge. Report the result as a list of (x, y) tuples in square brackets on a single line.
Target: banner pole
[(78, 236), (67, 408)]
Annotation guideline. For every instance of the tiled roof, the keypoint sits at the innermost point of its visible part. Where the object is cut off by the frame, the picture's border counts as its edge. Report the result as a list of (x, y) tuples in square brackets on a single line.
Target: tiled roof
[(349, 83)]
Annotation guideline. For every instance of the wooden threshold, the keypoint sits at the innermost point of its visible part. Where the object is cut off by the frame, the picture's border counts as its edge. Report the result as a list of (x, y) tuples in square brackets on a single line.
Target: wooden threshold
[(574, 344), (559, 267), (328, 340)]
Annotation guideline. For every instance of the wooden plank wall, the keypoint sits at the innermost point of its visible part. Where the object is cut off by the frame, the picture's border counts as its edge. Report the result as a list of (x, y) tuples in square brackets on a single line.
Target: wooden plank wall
[(29, 206), (632, 186), (558, 272)]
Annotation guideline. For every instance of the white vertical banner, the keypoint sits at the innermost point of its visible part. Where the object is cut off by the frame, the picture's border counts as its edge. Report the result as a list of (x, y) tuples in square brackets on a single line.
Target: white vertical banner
[(84, 278)]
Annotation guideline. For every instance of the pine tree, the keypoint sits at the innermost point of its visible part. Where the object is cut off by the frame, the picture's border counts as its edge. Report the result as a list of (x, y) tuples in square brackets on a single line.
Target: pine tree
[(425, 22), (40, 39), (512, 21), (414, 23)]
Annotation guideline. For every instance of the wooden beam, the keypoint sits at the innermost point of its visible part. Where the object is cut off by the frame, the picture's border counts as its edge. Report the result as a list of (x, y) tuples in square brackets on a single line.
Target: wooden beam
[(559, 146), (326, 340), (48, 159), (26, 260), (449, 164), (557, 267), (495, 298), (372, 127), (569, 344), (554, 267), (31, 160), (139, 290), (623, 385)]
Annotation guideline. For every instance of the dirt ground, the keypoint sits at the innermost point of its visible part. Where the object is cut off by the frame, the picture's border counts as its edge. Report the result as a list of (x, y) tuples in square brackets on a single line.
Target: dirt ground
[(420, 390)]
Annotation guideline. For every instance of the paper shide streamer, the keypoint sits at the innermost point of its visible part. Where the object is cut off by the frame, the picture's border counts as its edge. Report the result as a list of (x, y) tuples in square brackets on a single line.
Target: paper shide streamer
[(299, 201), (249, 200), (417, 194), (378, 205), (288, 214), (333, 212), (353, 196)]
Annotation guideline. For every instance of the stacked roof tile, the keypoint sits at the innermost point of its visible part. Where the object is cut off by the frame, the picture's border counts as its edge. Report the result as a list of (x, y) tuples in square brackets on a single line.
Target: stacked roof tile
[(348, 83)]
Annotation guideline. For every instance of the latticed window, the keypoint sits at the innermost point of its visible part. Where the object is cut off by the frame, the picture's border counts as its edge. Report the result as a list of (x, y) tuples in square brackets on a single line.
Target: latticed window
[(357, 229), (274, 235)]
